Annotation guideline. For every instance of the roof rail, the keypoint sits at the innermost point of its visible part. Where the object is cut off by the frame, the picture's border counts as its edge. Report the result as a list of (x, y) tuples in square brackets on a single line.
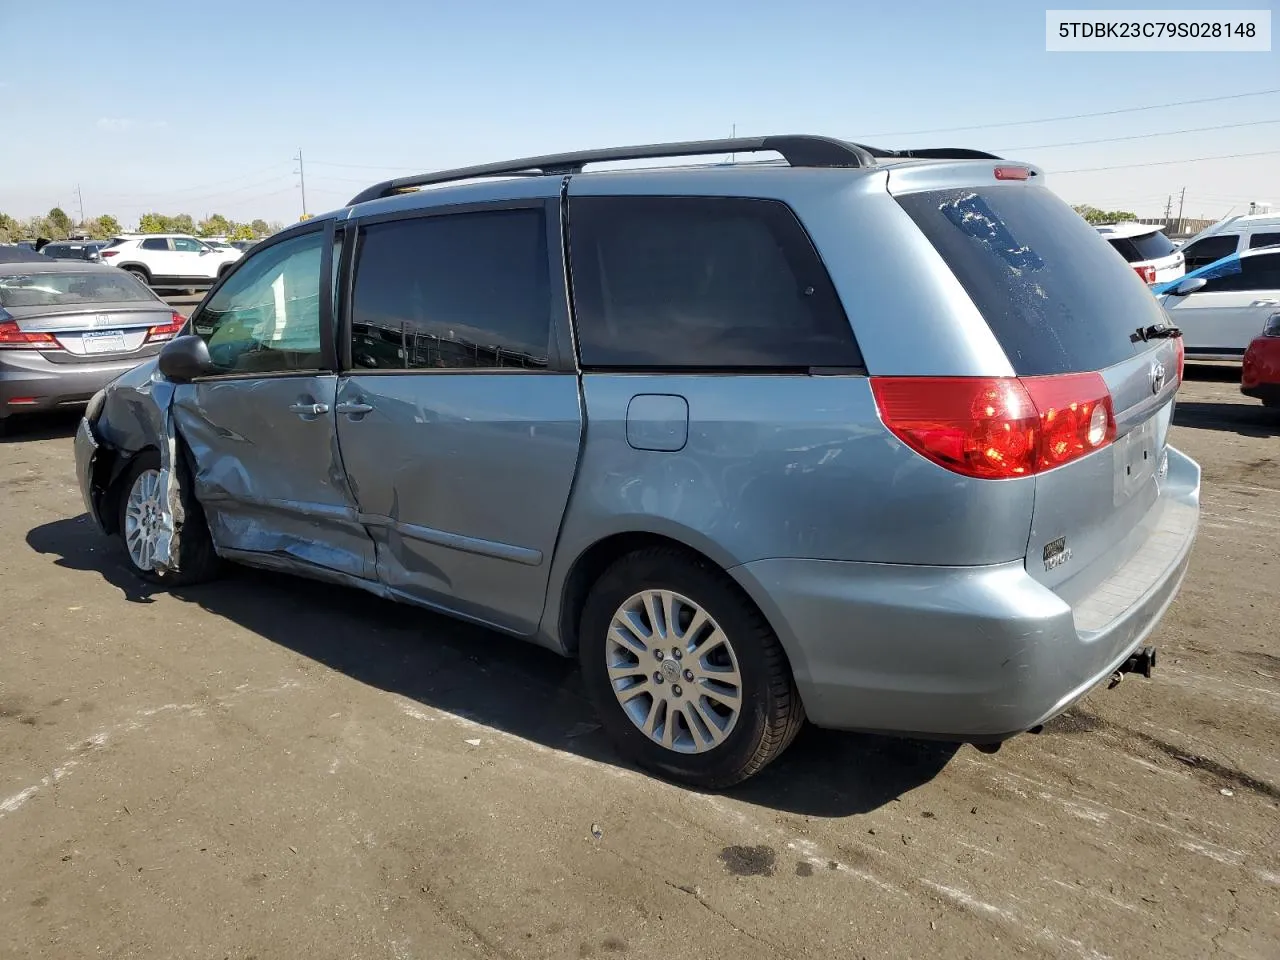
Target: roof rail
[(797, 150), (932, 153)]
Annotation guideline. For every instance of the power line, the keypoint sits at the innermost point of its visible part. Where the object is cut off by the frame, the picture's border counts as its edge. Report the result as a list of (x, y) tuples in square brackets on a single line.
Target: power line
[(195, 187), (1137, 136), (1166, 163), (1076, 116)]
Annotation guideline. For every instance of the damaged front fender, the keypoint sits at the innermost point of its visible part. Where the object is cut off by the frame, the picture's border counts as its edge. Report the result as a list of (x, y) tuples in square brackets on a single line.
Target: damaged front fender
[(132, 414)]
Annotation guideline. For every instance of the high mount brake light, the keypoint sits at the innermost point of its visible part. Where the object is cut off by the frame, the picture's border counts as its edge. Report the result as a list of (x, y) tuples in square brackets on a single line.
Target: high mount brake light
[(1012, 173), (998, 428)]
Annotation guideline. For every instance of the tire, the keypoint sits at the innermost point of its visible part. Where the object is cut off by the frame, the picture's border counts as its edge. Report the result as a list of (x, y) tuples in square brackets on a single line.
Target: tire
[(141, 273), (197, 561), (769, 713)]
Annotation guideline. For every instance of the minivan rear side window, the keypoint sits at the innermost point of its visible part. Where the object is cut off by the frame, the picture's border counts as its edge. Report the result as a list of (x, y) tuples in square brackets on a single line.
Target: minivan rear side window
[(461, 290), (1056, 297), (1264, 240), (702, 283)]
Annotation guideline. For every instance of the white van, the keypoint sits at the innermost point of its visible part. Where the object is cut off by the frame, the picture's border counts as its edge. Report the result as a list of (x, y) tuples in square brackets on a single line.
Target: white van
[(1247, 231)]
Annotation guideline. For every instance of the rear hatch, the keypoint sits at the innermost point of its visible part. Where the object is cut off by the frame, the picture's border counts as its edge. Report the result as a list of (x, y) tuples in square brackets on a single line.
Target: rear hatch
[(1059, 301), (90, 317)]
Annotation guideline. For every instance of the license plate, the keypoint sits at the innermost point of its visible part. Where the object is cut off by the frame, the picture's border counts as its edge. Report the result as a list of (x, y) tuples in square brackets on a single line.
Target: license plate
[(1136, 459), (103, 341)]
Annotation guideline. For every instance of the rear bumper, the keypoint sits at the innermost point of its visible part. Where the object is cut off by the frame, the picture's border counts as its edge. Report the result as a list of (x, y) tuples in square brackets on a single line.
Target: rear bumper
[(39, 385), (967, 653)]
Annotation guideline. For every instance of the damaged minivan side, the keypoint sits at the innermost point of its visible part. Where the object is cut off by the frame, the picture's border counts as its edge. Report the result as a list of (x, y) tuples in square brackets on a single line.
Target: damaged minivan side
[(873, 439)]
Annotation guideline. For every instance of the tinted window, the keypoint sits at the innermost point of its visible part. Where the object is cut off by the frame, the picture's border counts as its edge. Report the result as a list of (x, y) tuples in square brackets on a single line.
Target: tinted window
[(699, 282), (1260, 272), (187, 245), (1125, 247), (266, 316), (58, 289), (1206, 251), (1153, 246), (56, 250), (465, 290), (155, 243), (1264, 240), (1056, 298)]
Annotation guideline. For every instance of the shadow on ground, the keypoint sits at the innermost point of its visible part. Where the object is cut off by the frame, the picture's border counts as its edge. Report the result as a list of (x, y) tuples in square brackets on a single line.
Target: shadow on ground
[(1248, 418), (506, 684), (40, 426)]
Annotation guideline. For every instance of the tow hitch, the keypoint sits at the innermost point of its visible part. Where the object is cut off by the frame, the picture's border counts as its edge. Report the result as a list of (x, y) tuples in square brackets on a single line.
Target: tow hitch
[(1143, 662)]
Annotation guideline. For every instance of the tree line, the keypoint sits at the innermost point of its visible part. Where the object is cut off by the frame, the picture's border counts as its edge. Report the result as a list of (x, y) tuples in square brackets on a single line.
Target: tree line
[(57, 225), (1096, 216)]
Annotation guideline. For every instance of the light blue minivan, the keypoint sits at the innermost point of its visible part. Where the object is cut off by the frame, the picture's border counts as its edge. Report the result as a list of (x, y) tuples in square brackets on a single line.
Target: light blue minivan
[(873, 438)]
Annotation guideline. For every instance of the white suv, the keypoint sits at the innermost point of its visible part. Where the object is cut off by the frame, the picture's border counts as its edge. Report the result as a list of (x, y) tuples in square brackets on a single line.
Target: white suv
[(169, 259), (1152, 255)]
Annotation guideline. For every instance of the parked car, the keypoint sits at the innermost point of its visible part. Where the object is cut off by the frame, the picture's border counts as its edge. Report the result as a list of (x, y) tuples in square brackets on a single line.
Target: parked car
[(1232, 235), (74, 250), (809, 439), (171, 260), (1146, 249), (68, 328), (1221, 307), (1260, 376), (244, 245)]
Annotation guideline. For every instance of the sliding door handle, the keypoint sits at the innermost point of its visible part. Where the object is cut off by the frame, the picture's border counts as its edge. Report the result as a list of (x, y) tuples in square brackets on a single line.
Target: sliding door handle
[(353, 407)]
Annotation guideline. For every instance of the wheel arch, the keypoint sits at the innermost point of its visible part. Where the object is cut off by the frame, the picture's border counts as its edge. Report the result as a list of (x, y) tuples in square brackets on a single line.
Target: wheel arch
[(135, 267), (595, 558)]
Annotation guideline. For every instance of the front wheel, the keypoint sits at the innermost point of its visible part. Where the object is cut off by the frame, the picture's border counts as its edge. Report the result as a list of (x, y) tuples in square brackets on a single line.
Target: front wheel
[(687, 675), (140, 527)]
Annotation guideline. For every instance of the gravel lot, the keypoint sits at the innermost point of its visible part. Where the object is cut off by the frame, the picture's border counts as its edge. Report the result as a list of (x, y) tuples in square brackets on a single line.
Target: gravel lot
[(265, 767)]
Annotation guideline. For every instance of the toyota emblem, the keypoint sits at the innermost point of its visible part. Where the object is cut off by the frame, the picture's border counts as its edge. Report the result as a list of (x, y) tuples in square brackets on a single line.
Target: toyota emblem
[(1157, 376)]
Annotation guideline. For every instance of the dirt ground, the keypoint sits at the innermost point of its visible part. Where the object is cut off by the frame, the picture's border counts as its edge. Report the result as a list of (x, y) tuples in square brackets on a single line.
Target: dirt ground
[(266, 767)]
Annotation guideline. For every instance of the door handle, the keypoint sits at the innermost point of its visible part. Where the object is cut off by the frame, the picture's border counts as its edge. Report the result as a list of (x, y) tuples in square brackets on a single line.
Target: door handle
[(1265, 303), (357, 406), (309, 409)]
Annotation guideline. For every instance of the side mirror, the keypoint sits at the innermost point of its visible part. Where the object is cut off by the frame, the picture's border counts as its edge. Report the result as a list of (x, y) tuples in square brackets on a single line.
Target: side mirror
[(1188, 285), (185, 358)]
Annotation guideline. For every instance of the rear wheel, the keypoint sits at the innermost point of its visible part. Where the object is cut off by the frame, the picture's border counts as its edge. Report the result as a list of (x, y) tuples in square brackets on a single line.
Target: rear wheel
[(141, 273), (688, 677), (140, 527)]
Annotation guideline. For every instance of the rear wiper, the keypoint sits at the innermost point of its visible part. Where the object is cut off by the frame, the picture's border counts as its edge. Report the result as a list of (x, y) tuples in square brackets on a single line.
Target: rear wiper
[(1160, 331)]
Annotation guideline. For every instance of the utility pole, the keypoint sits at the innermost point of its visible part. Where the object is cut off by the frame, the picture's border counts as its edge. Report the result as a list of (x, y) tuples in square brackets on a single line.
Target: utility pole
[(1168, 210), (80, 199), (302, 182), (1182, 198)]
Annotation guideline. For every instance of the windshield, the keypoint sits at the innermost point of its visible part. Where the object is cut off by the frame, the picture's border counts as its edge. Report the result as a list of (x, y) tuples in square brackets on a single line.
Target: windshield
[(64, 289), (1056, 298)]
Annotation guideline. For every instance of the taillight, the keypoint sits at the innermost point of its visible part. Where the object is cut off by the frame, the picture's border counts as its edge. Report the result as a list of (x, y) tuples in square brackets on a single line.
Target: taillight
[(168, 330), (1182, 356), (1147, 273), (110, 253), (11, 338), (998, 427)]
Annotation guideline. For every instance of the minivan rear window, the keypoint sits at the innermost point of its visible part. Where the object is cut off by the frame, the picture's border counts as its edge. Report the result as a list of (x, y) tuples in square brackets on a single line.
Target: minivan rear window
[(1056, 297)]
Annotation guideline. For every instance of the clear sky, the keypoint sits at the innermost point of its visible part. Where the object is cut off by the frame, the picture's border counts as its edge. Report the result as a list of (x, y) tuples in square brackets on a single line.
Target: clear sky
[(196, 107)]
